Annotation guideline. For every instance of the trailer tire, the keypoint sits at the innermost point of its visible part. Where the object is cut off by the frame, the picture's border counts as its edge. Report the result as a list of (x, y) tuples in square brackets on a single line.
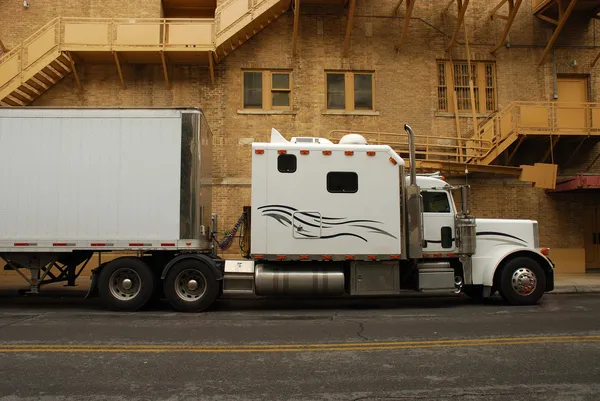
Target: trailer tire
[(126, 284), (191, 286), (522, 281)]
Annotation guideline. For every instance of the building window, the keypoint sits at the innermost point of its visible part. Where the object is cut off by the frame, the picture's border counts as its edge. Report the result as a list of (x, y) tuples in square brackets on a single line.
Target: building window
[(268, 90), (287, 163), (342, 182), (349, 91), (454, 78)]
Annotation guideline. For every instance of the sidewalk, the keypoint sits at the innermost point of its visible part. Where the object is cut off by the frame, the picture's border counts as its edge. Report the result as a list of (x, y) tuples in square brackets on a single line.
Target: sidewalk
[(577, 283)]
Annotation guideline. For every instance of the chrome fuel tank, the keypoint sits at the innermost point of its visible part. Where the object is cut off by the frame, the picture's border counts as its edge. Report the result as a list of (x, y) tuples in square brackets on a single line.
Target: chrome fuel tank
[(298, 279)]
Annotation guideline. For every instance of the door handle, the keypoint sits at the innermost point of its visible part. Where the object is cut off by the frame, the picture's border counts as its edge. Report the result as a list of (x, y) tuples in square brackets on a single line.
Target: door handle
[(594, 239)]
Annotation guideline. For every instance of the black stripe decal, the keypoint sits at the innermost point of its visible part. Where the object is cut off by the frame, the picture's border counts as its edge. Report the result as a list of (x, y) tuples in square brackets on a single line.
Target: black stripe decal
[(500, 235), (344, 235)]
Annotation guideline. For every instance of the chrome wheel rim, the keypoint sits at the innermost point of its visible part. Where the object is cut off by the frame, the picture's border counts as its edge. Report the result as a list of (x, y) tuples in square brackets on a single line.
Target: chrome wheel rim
[(125, 284), (524, 281), (190, 285)]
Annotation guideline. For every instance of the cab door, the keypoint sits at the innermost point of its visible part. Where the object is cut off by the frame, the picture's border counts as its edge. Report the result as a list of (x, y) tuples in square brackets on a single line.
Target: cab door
[(438, 222)]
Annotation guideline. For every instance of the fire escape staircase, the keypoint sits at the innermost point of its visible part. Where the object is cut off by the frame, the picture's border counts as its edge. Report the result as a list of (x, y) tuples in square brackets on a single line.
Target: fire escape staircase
[(52, 52), (499, 140)]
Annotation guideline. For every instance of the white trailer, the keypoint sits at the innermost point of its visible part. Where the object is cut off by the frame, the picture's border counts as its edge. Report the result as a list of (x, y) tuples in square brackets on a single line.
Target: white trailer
[(326, 219)]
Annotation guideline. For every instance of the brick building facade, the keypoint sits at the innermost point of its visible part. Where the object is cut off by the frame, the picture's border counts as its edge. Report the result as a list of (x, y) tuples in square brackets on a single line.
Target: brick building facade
[(374, 88)]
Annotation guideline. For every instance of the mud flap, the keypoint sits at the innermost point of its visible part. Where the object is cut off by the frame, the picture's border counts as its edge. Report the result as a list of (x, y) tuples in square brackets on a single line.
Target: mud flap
[(93, 291)]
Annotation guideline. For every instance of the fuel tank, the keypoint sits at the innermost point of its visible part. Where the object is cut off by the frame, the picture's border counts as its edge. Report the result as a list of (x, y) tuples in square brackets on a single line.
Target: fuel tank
[(298, 279)]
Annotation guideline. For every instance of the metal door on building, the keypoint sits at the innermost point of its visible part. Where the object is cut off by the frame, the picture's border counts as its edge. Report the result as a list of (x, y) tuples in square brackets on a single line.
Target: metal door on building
[(572, 113), (592, 237)]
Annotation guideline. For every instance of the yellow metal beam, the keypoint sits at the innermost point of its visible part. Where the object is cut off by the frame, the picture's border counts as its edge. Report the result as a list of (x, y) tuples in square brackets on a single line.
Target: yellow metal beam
[(548, 19), (296, 24), (163, 60), (75, 74), (410, 5), (564, 16), (514, 151), (397, 7), (596, 59), (462, 9), (118, 63), (512, 13), (211, 67), (349, 28), (495, 9)]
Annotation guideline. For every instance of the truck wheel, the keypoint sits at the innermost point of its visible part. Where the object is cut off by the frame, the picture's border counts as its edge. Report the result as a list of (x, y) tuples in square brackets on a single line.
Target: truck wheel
[(522, 282), (125, 284), (191, 286)]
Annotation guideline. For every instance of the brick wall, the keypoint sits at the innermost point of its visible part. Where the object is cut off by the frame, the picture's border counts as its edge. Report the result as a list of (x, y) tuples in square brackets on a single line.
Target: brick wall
[(405, 88)]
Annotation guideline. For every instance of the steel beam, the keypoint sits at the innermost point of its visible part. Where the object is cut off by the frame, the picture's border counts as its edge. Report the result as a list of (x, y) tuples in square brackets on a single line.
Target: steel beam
[(118, 63), (349, 28), (296, 24), (211, 66), (513, 7), (163, 60), (397, 7), (462, 9), (564, 16), (410, 5), (514, 152), (75, 74)]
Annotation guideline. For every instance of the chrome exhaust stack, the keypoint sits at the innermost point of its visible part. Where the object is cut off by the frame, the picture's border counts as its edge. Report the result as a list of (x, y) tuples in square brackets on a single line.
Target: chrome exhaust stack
[(414, 229)]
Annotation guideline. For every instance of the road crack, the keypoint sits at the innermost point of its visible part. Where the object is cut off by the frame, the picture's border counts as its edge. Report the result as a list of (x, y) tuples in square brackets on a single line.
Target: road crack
[(361, 330)]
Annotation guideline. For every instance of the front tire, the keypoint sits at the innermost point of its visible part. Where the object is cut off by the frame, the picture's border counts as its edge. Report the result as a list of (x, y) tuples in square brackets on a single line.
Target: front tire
[(522, 282), (191, 286), (126, 284)]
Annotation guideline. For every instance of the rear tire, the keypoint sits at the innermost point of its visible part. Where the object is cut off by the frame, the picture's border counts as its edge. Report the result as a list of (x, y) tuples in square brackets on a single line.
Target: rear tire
[(191, 286), (126, 284), (522, 281)]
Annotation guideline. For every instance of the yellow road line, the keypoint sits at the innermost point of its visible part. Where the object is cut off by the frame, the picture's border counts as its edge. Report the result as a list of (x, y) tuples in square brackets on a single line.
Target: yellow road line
[(375, 346)]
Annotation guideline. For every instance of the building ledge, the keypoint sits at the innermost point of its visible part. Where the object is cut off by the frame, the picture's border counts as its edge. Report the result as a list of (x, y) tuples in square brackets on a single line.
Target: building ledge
[(350, 113), (268, 112)]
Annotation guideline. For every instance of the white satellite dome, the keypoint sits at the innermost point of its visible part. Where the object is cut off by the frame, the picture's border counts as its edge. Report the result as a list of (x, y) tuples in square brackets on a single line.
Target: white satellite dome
[(353, 139)]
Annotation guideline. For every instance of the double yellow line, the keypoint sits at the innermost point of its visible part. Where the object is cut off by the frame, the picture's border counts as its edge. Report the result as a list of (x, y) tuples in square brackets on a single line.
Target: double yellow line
[(324, 347)]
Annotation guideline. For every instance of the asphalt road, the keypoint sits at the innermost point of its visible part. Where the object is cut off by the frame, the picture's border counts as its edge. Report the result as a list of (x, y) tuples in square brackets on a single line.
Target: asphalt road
[(415, 348)]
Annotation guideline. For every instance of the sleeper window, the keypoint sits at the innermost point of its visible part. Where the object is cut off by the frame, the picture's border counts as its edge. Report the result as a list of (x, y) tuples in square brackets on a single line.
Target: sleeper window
[(342, 182), (435, 202), (286, 163)]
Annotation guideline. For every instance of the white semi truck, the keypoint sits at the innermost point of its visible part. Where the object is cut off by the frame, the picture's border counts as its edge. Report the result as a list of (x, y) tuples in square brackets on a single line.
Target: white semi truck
[(326, 220)]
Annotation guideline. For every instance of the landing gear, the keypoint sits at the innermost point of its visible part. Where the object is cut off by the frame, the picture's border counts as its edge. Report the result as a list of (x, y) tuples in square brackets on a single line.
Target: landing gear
[(522, 282)]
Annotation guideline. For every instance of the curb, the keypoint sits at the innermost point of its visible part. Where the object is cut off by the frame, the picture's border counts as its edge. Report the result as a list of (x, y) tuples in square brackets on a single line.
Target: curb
[(576, 289)]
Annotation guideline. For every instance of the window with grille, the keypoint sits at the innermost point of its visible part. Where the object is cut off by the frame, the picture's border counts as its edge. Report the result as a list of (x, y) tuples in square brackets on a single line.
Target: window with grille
[(454, 78)]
